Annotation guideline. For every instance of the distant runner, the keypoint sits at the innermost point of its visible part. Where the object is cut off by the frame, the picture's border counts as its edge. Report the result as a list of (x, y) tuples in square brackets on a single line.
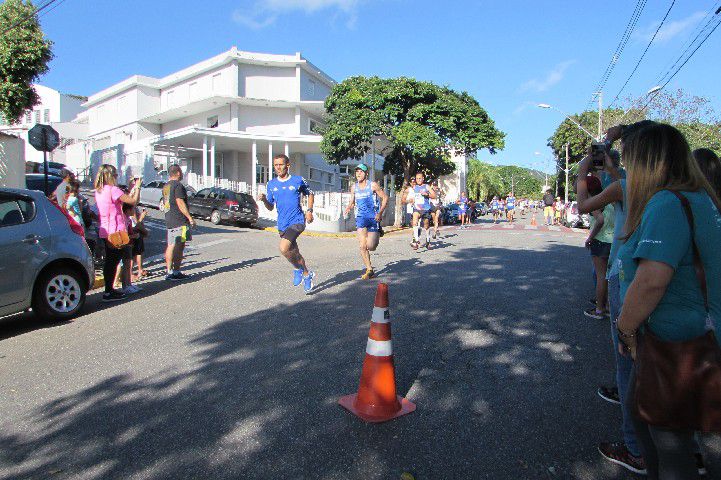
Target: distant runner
[(436, 209), (368, 217), (495, 209), (421, 200), (285, 192), (510, 206), (463, 210)]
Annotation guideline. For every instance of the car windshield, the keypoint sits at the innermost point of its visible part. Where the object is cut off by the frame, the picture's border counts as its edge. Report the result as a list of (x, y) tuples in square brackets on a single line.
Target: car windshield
[(38, 183)]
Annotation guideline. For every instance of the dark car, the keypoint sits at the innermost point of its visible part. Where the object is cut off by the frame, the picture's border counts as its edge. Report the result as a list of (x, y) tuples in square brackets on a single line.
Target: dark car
[(450, 214), (220, 204), (481, 210)]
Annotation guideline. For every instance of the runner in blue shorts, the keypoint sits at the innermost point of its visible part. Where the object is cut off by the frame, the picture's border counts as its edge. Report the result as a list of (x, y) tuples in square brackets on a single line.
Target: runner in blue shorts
[(463, 210), (495, 209), (368, 215), (285, 192), (421, 200), (510, 206)]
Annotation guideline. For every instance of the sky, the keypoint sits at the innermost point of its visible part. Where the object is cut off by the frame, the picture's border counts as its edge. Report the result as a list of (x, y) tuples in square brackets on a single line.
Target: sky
[(510, 55)]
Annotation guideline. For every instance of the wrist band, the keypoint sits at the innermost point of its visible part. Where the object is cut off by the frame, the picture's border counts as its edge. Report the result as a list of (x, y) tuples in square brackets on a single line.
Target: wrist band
[(621, 333)]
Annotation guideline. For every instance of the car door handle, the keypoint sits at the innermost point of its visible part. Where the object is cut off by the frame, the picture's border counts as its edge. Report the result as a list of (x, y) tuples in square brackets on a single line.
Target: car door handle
[(32, 239)]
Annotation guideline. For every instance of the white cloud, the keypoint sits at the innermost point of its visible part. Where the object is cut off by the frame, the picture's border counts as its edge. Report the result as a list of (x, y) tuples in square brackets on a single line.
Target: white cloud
[(552, 78), (670, 30), (264, 13)]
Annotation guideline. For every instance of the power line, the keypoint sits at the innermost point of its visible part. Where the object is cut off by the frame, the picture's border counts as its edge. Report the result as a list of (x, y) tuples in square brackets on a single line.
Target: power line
[(630, 27), (25, 19), (643, 54)]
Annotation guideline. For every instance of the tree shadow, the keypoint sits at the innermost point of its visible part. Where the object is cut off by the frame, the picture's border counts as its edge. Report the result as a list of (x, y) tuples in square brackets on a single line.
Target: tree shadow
[(503, 369)]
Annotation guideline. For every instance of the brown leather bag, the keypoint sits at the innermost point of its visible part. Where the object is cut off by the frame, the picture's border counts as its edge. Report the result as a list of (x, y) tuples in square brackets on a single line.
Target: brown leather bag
[(678, 384)]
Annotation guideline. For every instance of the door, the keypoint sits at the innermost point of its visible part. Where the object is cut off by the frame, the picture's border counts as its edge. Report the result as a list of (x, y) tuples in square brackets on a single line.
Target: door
[(24, 237), (197, 204)]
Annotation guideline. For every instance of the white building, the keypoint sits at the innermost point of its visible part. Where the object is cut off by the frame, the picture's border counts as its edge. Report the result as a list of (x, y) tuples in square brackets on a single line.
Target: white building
[(453, 184), (56, 109), (222, 120), (12, 161)]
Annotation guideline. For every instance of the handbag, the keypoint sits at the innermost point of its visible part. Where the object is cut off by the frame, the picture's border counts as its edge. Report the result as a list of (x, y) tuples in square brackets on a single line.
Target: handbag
[(678, 384), (119, 239)]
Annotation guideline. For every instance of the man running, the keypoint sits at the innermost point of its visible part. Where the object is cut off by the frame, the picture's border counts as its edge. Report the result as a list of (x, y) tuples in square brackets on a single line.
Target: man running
[(367, 221), (511, 207), (436, 209), (463, 210), (420, 199), (285, 192), (495, 209)]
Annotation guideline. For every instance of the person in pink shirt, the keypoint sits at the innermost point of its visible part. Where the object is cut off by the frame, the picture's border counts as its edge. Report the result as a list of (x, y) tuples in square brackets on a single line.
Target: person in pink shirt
[(110, 199)]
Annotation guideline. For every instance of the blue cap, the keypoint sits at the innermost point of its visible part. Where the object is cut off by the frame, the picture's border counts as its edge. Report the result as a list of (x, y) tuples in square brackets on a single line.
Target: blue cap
[(362, 166)]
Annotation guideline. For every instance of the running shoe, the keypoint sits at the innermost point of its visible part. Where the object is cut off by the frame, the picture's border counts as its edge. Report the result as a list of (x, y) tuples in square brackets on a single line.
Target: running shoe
[(297, 276), (427, 245), (618, 453), (610, 394), (369, 273), (592, 313), (308, 282), (414, 245), (176, 277), (113, 296), (380, 231), (700, 465), (435, 235), (130, 289)]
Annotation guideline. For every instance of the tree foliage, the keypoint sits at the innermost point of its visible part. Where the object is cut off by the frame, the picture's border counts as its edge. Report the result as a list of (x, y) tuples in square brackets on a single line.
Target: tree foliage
[(485, 180), (421, 123), (24, 56)]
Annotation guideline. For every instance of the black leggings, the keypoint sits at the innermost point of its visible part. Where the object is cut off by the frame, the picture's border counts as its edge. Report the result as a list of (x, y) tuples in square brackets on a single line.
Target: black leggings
[(113, 256)]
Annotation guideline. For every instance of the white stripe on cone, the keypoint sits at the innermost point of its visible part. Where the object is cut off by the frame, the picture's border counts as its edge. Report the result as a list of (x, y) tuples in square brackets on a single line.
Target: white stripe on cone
[(376, 348), (380, 315)]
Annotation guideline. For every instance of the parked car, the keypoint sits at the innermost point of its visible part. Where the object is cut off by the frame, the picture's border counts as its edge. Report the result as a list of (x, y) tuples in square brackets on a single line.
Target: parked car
[(46, 264), (152, 193), (220, 204), (450, 214), (481, 210), (573, 219), (54, 168)]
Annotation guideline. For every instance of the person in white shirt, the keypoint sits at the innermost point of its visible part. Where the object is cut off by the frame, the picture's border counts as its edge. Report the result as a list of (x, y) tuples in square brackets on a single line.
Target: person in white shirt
[(61, 191)]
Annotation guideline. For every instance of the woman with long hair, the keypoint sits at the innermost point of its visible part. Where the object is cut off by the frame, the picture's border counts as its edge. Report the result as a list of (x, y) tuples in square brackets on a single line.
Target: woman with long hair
[(659, 287), (109, 199), (710, 165)]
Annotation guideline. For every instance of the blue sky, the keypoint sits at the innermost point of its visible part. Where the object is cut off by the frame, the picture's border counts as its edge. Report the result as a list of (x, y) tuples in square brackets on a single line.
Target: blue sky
[(510, 54)]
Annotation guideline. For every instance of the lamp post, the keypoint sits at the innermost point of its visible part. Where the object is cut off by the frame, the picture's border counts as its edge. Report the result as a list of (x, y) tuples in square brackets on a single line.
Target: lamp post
[(568, 116)]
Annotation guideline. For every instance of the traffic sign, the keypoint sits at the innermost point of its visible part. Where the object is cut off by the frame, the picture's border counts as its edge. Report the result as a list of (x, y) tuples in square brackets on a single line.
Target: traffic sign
[(44, 138)]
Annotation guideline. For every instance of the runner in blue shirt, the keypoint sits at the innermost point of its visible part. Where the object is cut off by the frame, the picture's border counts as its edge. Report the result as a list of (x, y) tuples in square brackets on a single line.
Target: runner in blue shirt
[(495, 209), (285, 192), (364, 194), (421, 200), (510, 206), (463, 210)]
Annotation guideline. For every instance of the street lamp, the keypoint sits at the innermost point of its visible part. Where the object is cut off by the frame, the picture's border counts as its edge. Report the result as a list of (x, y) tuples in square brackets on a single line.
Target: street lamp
[(568, 116), (653, 90)]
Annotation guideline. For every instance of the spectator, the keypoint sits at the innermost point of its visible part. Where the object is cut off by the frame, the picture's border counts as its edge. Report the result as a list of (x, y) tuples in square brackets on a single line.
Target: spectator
[(124, 272), (710, 165), (178, 222), (408, 190), (548, 207), (599, 243), (558, 208), (139, 244), (658, 279), (109, 200), (72, 202), (61, 190)]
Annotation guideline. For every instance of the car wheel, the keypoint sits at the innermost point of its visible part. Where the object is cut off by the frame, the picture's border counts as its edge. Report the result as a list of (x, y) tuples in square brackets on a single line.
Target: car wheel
[(58, 295), (215, 217)]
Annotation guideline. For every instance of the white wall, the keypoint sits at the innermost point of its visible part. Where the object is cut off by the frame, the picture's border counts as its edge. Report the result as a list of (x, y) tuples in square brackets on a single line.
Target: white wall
[(311, 87), (148, 101), (271, 83), (69, 108), (219, 81), (12, 162), (276, 121), (200, 119)]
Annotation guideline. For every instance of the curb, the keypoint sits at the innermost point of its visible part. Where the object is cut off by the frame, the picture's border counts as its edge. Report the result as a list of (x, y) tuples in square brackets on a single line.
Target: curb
[(335, 235)]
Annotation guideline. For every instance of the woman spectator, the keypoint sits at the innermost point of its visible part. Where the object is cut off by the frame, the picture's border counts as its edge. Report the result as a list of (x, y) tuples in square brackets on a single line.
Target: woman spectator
[(109, 200), (657, 275), (72, 202), (599, 242), (710, 165)]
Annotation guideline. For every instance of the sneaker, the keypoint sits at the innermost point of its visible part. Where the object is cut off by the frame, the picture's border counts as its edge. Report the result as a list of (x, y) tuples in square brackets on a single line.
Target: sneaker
[(308, 282), (592, 301), (113, 296), (297, 276), (369, 273), (130, 289), (700, 466), (176, 277), (618, 453), (427, 245), (610, 394), (592, 313), (380, 231), (414, 245)]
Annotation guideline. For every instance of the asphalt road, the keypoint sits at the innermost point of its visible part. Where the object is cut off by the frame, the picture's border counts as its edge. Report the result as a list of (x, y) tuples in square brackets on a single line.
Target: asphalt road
[(236, 374)]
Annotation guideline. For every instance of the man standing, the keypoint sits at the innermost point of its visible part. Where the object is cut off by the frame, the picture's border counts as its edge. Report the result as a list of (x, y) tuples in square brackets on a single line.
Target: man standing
[(285, 192), (548, 202), (420, 198), (177, 221), (368, 218)]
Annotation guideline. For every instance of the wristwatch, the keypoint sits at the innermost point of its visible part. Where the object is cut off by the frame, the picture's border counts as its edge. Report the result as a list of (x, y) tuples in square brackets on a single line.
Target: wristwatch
[(309, 210)]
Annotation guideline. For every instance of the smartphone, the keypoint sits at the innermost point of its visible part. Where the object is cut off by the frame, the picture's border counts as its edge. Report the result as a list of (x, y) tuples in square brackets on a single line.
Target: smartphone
[(598, 152)]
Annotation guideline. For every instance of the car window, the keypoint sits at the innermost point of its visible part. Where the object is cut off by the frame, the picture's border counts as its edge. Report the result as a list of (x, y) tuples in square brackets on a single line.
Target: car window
[(213, 194), (203, 193), (15, 210), (152, 185), (38, 183)]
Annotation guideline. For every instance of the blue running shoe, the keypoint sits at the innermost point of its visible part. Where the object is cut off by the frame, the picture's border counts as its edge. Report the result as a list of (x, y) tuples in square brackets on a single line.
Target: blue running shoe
[(308, 282), (297, 276)]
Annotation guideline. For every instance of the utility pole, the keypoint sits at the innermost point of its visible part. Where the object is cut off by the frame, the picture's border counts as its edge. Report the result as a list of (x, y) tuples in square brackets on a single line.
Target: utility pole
[(567, 155), (600, 115)]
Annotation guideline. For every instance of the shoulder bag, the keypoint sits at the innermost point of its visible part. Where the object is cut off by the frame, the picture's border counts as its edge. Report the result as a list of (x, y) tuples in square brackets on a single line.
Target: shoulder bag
[(678, 384)]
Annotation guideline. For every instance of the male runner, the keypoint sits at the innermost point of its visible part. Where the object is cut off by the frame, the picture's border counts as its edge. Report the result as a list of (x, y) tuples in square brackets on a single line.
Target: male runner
[(463, 210), (436, 209), (495, 209), (511, 206), (420, 199), (367, 221), (285, 192)]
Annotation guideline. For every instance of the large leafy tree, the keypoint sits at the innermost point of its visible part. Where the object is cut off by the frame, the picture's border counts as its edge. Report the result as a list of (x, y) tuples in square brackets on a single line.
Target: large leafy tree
[(485, 180), (420, 123), (24, 56)]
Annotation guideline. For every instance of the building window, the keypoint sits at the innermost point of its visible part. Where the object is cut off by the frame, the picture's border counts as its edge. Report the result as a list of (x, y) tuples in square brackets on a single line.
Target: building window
[(261, 173), (29, 116), (37, 116), (46, 115), (212, 122), (216, 82), (314, 126)]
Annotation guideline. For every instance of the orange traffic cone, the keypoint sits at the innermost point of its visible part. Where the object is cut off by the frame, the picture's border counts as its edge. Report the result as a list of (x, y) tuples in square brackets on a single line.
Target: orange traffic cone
[(533, 221), (376, 400)]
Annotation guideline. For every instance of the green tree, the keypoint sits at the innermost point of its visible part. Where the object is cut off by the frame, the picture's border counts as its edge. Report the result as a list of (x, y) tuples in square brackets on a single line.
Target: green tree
[(421, 124), (24, 56), (485, 180)]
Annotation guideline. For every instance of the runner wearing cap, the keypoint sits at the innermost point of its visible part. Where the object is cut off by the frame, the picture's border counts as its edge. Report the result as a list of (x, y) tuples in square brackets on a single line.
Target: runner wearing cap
[(285, 192), (363, 197), (463, 210), (421, 200)]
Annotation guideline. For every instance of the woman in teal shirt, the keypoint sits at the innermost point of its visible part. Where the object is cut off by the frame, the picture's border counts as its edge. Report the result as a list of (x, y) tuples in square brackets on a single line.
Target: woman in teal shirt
[(658, 281)]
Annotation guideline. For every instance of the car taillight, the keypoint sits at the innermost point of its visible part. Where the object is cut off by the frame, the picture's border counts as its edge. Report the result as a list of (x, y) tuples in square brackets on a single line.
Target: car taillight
[(232, 205), (74, 226)]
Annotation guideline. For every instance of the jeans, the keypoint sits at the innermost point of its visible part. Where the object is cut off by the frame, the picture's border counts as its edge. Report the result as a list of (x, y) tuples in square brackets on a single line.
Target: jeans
[(113, 256), (624, 365), (669, 454)]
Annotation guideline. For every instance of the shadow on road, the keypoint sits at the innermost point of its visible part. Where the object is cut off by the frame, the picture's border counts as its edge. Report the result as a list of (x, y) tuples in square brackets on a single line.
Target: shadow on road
[(502, 368)]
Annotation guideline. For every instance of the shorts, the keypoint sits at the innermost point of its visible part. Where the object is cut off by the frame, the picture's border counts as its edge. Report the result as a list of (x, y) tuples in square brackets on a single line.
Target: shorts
[(548, 212), (600, 249), (138, 246), (423, 213), (435, 208), (292, 232), (179, 235), (369, 223), (510, 209), (462, 211)]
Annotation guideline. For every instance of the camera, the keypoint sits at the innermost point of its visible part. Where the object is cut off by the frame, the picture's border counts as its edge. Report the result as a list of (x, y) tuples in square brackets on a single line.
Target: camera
[(598, 152)]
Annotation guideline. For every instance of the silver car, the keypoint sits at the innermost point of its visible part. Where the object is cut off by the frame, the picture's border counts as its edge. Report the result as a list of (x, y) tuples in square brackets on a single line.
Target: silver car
[(152, 193), (45, 264)]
